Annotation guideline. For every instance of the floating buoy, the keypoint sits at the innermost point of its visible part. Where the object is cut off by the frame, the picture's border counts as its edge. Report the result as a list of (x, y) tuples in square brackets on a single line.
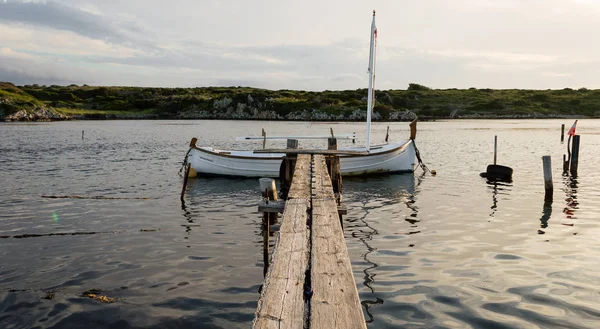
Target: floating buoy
[(433, 172), (498, 172)]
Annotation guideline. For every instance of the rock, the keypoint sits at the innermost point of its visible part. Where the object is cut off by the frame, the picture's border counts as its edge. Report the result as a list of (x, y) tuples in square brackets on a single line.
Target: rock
[(37, 114)]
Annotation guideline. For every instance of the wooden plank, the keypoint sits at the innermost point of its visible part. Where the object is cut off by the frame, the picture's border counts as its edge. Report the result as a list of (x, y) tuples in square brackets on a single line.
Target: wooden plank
[(312, 151), (300, 188), (334, 302), (279, 206), (281, 304), (322, 187)]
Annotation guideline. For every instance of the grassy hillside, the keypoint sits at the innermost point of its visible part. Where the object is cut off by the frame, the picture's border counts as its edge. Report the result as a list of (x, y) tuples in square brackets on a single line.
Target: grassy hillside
[(252, 103)]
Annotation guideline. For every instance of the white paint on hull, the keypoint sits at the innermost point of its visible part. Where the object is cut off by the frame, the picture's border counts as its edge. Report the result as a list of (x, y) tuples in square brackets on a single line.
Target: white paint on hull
[(394, 157)]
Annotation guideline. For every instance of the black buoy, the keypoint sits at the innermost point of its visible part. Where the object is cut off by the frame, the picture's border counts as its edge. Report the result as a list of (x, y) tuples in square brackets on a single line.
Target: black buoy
[(496, 172)]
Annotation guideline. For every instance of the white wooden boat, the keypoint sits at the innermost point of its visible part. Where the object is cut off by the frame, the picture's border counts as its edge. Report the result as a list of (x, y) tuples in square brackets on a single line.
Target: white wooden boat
[(395, 157), (389, 158)]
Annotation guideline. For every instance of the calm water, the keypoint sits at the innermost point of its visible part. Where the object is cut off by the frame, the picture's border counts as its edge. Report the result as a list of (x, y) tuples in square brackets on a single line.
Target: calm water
[(428, 252)]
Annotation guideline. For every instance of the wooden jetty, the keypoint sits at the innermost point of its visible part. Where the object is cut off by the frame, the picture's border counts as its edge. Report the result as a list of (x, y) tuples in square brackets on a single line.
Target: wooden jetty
[(309, 282)]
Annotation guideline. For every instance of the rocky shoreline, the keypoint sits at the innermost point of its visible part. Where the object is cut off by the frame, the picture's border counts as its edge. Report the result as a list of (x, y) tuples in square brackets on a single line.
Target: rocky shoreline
[(58, 103), (47, 115)]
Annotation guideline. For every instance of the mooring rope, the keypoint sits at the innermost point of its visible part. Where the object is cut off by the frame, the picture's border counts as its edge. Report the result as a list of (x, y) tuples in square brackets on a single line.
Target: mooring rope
[(421, 163), (184, 163)]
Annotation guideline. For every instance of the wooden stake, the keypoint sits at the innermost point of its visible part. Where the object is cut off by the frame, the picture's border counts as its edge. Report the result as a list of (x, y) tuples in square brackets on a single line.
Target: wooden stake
[(266, 232), (495, 148), (387, 134), (82, 133), (562, 132), (548, 186), (264, 134), (565, 164), (332, 143), (185, 180), (269, 191), (292, 143), (575, 156)]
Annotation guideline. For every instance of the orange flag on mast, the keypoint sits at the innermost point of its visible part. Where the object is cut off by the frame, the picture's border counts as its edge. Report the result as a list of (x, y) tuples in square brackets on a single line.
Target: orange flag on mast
[(572, 130)]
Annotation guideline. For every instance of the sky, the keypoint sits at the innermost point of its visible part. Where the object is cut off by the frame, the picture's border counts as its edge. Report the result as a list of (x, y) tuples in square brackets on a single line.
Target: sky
[(303, 45)]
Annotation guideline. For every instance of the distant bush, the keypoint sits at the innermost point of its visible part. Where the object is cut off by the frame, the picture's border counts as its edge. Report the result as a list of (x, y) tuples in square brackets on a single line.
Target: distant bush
[(416, 86)]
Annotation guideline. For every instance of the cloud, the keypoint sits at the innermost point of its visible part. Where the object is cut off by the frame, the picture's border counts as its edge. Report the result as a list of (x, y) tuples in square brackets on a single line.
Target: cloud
[(61, 17), (470, 43)]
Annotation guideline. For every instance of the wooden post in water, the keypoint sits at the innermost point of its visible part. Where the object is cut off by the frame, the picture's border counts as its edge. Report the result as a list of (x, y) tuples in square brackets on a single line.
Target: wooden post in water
[(575, 156), (185, 180), (495, 148), (565, 164), (562, 132), (264, 135), (548, 186), (269, 191), (82, 133), (387, 134)]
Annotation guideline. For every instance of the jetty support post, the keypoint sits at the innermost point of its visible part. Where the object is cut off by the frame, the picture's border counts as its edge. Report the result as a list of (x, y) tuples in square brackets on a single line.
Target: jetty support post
[(562, 133), (575, 156), (548, 186), (565, 164), (292, 143), (269, 192), (286, 170)]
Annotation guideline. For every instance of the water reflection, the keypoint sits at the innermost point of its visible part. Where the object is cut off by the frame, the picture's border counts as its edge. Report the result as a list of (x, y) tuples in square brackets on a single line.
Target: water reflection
[(391, 189), (546, 214), (497, 187), (572, 204)]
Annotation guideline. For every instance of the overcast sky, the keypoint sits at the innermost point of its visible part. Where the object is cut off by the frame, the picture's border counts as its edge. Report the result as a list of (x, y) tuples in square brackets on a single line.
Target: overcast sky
[(308, 44)]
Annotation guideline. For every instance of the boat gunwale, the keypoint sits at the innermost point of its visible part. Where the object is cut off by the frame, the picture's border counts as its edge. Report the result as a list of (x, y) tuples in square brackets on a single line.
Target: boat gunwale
[(400, 147)]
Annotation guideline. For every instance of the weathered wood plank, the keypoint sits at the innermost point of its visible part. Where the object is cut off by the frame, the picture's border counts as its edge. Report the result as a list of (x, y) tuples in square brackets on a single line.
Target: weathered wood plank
[(300, 188), (334, 302), (279, 206), (322, 187), (281, 304)]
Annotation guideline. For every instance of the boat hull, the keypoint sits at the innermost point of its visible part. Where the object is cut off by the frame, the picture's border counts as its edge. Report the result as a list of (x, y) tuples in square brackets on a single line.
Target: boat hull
[(389, 158)]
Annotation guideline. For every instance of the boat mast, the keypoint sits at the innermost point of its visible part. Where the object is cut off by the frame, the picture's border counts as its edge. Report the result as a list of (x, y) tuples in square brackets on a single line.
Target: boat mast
[(370, 96)]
